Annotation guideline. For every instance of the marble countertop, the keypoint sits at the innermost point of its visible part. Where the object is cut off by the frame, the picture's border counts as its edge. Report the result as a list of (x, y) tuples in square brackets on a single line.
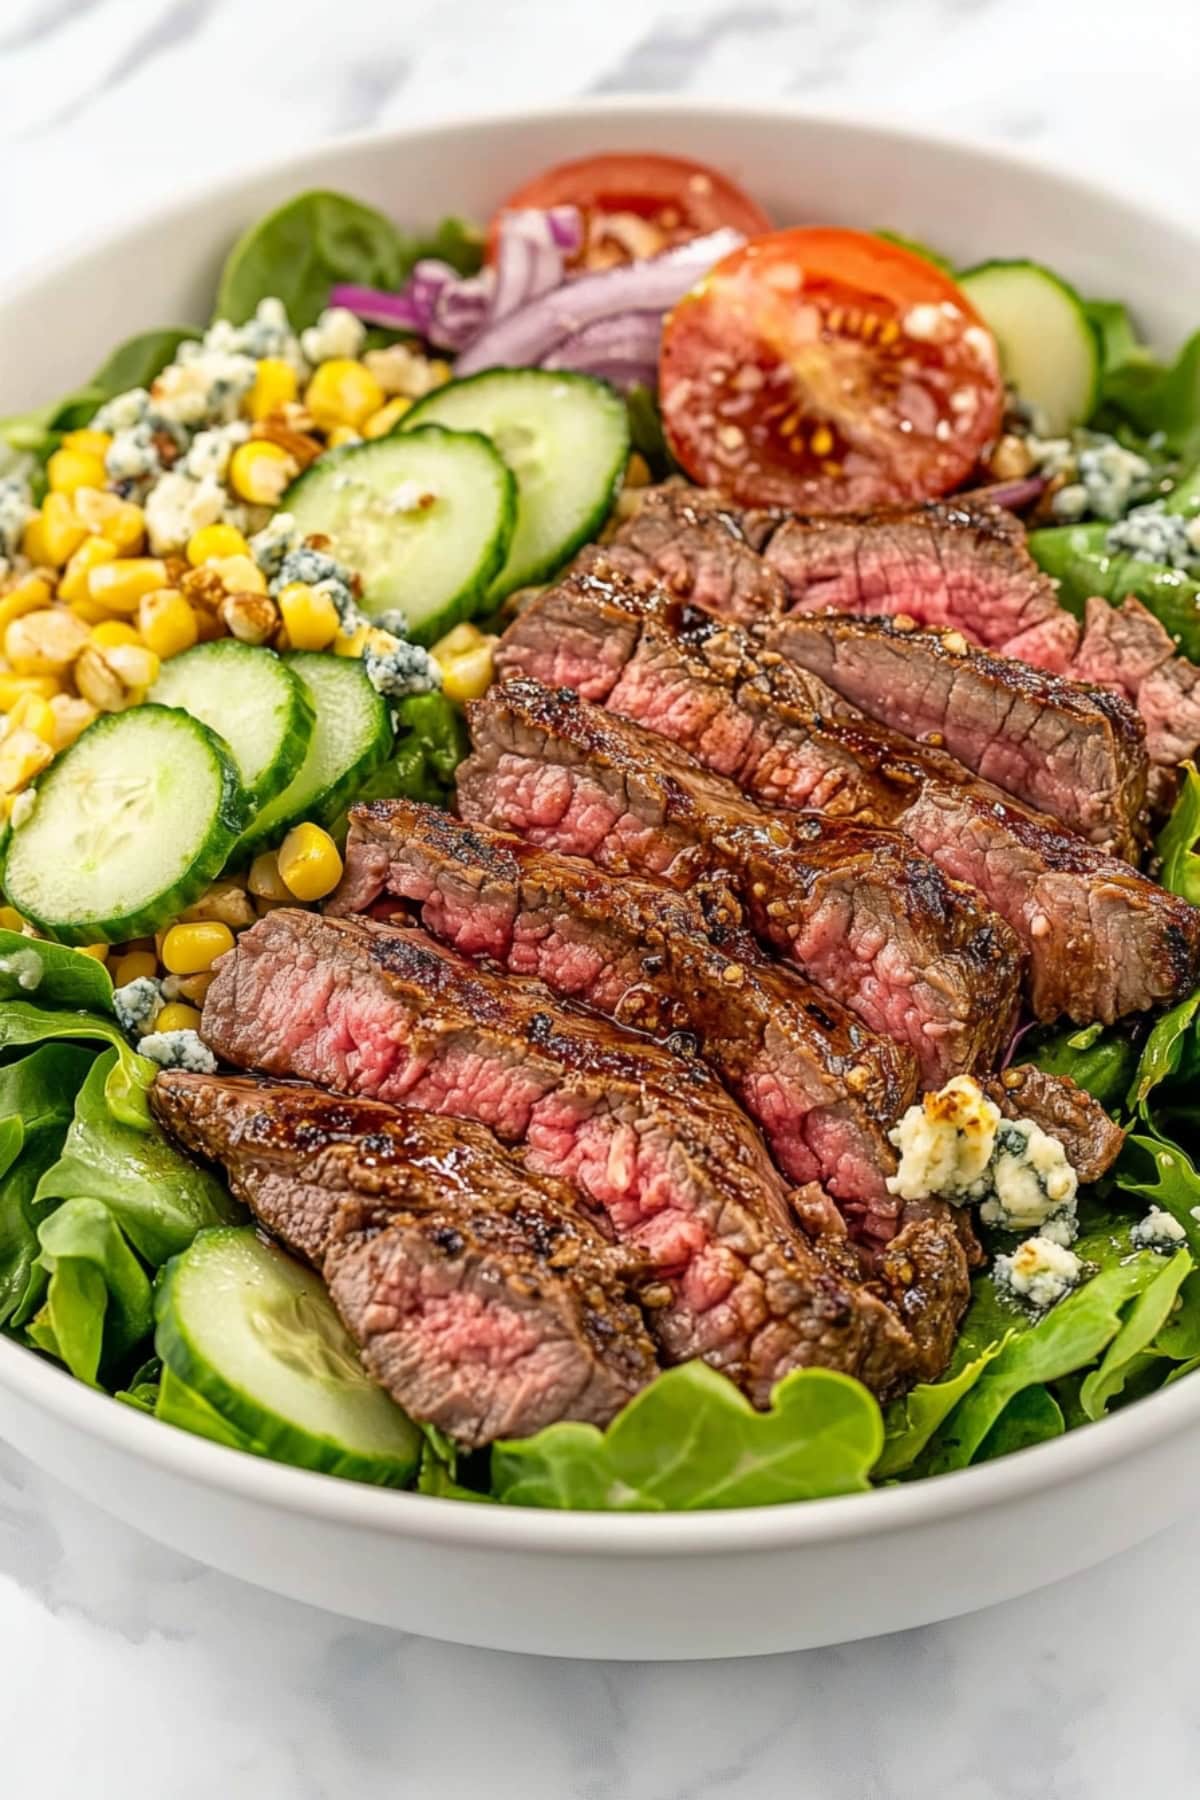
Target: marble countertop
[(128, 1670)]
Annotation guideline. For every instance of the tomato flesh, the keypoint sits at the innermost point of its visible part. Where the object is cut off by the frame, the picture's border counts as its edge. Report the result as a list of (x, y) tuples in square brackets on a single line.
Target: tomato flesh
[(828, 371), (637, 204)]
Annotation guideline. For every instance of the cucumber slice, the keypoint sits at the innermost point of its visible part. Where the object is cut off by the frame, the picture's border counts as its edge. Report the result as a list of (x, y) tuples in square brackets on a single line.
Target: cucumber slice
[(254, 1333), (1048, 346), (566, 439), (130, 825), (434, 562), (251, 699), (352, 735)]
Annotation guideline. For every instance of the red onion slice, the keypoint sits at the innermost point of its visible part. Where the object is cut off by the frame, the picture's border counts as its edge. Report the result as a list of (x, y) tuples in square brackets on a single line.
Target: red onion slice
[(622, 349)]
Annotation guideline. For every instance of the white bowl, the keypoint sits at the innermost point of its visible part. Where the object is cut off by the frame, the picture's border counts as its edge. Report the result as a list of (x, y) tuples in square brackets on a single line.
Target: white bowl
[(573, 1584)]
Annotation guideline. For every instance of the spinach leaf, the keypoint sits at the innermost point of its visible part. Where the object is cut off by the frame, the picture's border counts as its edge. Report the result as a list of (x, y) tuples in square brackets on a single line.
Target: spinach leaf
[(1115, 333), (1175, 1186), (1158, 397), (301, 249), (1163, 1052), (37, 1095), (98, 1304), (1177, 841), (1149, 1312), (431, 742), (1077, 558), (135, 363), (1031, 1417), (129, 1076), (691, 1440), (910, 1422), (158, 1197), (57, 975), (1101, 1061), (178, 1404), (455, 241)]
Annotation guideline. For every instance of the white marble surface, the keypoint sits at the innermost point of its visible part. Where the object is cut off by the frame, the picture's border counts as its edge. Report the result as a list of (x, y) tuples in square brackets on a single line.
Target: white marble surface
[(126, 1670)]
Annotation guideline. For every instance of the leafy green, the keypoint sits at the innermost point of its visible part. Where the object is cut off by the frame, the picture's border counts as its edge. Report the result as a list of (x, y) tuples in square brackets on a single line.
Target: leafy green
[(918, 248), (455, 241), (1179, 1336), (1175, 1186), (1115, 333), (1158, 397), (1149, 1312), (1162, 1052), (142, 1390), (431, 742), (98, 1304), (299, 251), (37, 1096), (159, 1198), (129, 1076), (1101, 1061), (645, 429), (135, 363), (1176, 844), (1077, 558), (178, 1404), (911, 1421), (691, 1440), (437, 1477), (62, 977), (1031, 1417)]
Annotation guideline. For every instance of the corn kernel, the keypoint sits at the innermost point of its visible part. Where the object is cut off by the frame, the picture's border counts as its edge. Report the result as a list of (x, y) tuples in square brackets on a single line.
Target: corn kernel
[(89, 611), (98, 682), (22, 756), (120, 585), (470, 676), (224, 901), (338, 435), (28, 595), (108, 516), (251, 618), (98, 951), (67, 470), (90, 555), (32, 712), (71, 716), (311, 617), (178, 1017), (194, 987), (260, 470), (191, 949), (343, 392), (352, 643), (54, 533), (43, 643), (387, 418), (239, 574), (167, 623), (111, 632), (457, 642), (215, 540), (91, 443), (135, 965), (274, 386), (13, 686), (137, 667), (309, 863), (439, 372), (265, 882), (10, 919)]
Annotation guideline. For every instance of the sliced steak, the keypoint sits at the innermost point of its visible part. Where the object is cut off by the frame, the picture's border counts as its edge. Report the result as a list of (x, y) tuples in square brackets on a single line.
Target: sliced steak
[(1126, 648), (1075, 752), (823, 1089), (1065, 1111), (651, 1139), (481, 1298), (706, 550), (916, 957)]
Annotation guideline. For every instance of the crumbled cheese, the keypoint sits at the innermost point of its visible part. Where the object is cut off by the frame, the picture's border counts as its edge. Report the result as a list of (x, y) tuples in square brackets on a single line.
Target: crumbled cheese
[(1030, 1178), (23, 807), (326, 575), (26, 968), (1113, 477), (393, 621), (401, 371), (1070, 503), (204, 386), (337, 333), (1039, 1273), (1159, 1231), (277, 539), (123, 412), (210, 451), (401, 669), (268, 333), (178, 1050), (133, 454), (16, 510), (137, 1005), (176, 506), (1152, 535), (945, 1143)]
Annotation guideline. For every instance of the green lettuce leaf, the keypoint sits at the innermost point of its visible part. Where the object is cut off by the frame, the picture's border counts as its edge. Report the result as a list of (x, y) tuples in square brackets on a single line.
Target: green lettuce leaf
[(159, 1198), (299, 251), (1101, 1061), (1031, 1417), (135, 363), (98, 1304), (911, 1421), (1115, 333), (1153, 396), (60, 976), (178, 1404), (1150, 1311), (129, 1076), (1077, 558), (141, 1391), (691, 1440), (1162, 1052), (37, 1097), (1177, 841), (1174, 1185), (1179, 1336), (431, 742)]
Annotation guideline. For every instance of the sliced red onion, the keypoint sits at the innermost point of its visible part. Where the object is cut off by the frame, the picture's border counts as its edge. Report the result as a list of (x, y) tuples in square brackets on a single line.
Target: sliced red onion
[(1014, 494), (622, 349), (1014, 1041)]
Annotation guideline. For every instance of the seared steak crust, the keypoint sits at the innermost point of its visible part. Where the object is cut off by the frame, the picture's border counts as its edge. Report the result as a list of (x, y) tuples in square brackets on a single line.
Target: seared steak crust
[(1065, 1111), (652, 1140), (481, 1297), (876, 925), (823, 1089), (706, 549)]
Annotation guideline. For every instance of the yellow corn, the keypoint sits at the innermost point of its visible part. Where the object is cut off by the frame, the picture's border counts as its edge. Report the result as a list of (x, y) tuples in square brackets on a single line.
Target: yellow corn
[(343, 392), (178, 1017), (120, 585), (274, 386), (108, 516), (260, 470), (337, 435), (167, 623), (215, 540), (71, 716), (466, 659), (311, 617), (98, 682), (457, 642), (22, 756), (439, 371), (135, 965), (111, 632), (191, 949), (352, 643), (265, 882), (32, 712), (91, 443), (90, 555), (10, 918), (98, 951), (240, 574), (387, 418), (13, 686), (67, 470), (309, 863), (28, 595), (54, 533), (194, 987), (137, 667), (43, 643)]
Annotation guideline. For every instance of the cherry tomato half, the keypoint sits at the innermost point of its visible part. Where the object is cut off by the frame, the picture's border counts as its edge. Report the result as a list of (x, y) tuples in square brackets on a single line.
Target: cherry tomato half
[(828, 370), (635, 205)]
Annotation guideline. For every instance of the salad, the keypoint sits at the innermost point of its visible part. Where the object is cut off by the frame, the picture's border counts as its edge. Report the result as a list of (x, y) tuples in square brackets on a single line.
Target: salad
[(251, 574)]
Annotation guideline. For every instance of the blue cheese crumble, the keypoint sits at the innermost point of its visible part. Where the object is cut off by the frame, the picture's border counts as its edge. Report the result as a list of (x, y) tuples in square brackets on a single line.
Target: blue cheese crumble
[(1152, 535), (25, 967), (400, 669), (337, 333), (1159, 1231), (324, 574), (1038, 1274), (16, 510), (178, 1050), (137, 1005)]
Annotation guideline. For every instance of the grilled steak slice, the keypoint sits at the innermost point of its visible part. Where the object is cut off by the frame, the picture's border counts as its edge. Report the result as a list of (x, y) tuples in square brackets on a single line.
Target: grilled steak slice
[(480, 1296), (916, 957), (652, 1140), (1104, 941), (823, 1090), (1126, 648), (1075, 752), (1064, 1111), (706, 550)]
